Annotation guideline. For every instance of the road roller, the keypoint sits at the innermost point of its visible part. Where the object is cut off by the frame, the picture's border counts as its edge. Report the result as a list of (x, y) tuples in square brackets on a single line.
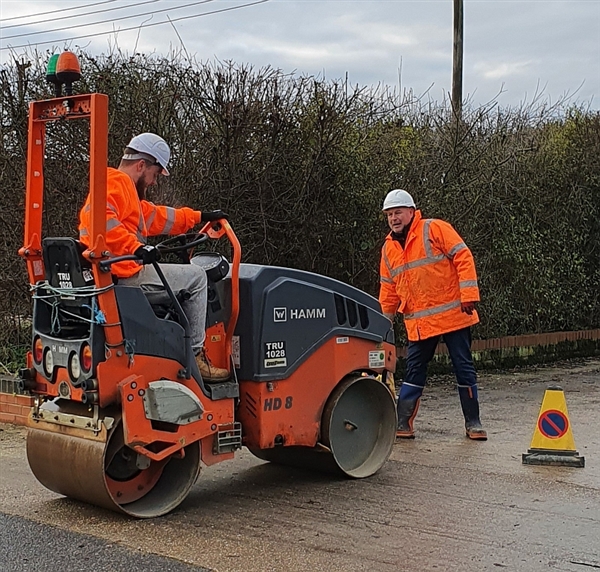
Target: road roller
[(122, 417)]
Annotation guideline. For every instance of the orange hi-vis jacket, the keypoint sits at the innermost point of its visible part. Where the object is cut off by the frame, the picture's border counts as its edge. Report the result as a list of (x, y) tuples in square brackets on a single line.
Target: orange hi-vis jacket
[(129, 221), (428, 279)]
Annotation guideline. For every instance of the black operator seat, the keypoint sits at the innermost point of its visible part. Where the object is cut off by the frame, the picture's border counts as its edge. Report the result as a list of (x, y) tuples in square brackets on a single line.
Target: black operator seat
[(67, 271), (65, 265)]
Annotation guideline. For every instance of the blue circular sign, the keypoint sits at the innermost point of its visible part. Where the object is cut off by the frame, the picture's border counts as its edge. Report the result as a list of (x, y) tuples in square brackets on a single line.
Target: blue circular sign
[(553, 424)]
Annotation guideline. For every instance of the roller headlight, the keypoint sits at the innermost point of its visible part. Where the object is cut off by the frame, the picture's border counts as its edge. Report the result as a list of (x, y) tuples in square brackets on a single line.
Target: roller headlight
[(74, 367), (48, 363)]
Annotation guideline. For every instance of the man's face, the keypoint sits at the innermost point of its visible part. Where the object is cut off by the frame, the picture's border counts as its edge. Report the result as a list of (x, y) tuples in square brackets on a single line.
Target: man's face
[(399, 217), (148, 176)]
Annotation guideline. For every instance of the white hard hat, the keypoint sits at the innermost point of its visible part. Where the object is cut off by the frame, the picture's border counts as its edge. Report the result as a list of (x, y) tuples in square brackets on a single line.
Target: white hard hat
[(398, 198), (153, 145)]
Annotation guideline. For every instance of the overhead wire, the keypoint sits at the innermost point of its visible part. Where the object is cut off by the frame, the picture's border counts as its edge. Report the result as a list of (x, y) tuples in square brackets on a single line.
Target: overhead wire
[(58, 10), (61, 18), (54, 41), (151, 13)]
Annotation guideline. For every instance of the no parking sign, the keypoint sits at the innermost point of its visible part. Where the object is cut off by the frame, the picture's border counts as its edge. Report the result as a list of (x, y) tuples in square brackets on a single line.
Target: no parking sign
[(552, 442), (553, 424)]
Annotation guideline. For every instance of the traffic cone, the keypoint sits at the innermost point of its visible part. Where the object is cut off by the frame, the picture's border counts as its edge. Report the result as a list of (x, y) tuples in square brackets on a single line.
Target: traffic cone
[(552, 442)]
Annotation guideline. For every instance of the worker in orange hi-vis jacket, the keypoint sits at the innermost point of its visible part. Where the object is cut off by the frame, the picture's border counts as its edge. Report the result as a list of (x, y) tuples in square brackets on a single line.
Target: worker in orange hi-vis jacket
[(130, 218), (428, 275)]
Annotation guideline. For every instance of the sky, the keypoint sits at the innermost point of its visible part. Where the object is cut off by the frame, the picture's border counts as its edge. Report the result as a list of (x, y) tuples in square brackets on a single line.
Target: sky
[(514, 50)]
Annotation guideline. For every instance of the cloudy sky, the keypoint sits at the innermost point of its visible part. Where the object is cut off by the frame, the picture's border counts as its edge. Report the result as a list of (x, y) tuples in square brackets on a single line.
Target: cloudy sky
[(513, 49)]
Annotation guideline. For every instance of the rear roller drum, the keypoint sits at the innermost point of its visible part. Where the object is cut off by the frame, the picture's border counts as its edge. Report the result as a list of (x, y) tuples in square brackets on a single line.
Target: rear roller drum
[(110, 474)]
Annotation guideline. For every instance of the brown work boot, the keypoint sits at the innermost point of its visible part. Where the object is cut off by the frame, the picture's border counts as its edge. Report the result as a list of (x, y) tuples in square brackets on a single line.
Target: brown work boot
[(475, 431), (470, 406), (208, 371), (407, 411)]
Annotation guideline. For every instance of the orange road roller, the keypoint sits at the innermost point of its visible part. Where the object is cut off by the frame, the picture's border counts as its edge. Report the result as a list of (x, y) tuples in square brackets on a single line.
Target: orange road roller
[(124, 420)]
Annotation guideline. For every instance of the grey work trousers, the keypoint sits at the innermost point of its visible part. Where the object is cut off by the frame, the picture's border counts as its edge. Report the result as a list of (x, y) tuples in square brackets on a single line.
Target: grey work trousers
[(180, 277)]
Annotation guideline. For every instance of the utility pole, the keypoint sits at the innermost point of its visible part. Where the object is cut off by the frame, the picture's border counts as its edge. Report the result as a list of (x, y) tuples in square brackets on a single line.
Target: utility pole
[(457, 59)]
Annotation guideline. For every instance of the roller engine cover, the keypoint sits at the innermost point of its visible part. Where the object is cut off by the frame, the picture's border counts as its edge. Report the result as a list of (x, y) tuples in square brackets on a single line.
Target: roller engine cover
[(287, 314)]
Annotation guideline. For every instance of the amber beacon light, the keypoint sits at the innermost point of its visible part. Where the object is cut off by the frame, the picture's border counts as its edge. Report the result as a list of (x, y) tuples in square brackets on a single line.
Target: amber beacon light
[(62, 69)]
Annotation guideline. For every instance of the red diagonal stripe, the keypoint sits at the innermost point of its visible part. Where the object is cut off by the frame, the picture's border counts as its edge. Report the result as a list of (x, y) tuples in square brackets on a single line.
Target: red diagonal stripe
[(552, 424)]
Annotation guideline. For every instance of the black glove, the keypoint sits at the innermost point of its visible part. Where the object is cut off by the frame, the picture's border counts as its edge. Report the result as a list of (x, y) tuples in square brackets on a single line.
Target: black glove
[(147, 254), (211, 216), (467, 308)]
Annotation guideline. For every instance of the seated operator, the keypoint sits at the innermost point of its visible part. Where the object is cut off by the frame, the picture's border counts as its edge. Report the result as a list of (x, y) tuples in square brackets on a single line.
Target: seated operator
[(130, 218)]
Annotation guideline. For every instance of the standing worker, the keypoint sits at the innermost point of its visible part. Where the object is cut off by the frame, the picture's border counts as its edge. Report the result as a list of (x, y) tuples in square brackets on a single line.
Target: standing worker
[(428, 275), (130, 218)]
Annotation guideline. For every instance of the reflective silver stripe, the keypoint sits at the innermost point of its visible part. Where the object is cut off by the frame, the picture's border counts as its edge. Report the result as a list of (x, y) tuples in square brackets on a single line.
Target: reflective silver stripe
[(393, 271), (386, 260), (150, 219), (417, 263), (460, 246), (424, 261), (170, 220), (112, 223), (86, 208), (83, 232), (468, 284), (386, 280), (428, 249), (141, 229), (432, 311)]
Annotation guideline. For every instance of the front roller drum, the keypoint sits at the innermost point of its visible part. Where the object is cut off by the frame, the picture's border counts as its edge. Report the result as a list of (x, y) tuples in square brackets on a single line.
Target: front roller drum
[(359, 425), (109, 474), (358, 430)]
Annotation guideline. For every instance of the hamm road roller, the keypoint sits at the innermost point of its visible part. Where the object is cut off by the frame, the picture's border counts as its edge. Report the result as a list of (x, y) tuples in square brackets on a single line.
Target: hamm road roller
[(123, 419)]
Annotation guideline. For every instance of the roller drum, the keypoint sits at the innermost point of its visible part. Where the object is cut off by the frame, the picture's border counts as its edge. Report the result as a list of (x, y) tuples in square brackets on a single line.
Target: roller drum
[(99, 469), (358, 430)]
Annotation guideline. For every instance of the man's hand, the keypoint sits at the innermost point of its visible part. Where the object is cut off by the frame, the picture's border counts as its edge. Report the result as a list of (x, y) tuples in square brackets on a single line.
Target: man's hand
[(210, 216), (467, 307), (147, 254)]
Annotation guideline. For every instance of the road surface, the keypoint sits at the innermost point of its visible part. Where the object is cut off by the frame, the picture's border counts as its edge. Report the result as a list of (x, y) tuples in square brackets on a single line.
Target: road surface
[(441, 502)]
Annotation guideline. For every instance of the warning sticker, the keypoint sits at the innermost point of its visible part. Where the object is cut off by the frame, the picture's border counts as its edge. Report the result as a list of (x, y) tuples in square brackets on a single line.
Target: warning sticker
[(279, 362), (376, 359), (38, 269), (235, 351)]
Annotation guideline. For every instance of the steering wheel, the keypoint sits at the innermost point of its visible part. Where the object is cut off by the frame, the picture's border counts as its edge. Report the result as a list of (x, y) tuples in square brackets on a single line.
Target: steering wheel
[(181, 243)]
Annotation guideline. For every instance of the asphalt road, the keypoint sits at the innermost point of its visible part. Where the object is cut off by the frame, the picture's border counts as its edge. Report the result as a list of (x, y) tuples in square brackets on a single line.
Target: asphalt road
[(441, 502), (29, 546)]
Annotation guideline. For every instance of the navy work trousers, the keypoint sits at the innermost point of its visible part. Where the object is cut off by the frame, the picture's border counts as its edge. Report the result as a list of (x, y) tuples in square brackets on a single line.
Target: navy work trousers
[(420, 353)]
